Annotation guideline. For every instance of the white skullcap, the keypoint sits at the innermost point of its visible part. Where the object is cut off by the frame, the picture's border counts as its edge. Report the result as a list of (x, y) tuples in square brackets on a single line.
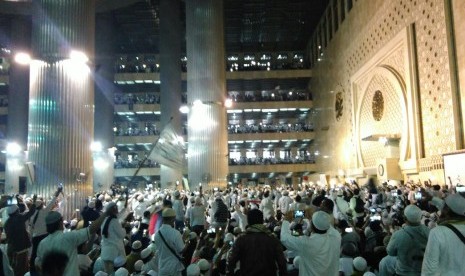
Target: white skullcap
[(360, 264), (145, 253), (119, 261), (193, 270), (192, 236), (369, 273), (101, 273), (12, 209), (122, 272), (456, 203), (73, 222), (91, 204), (110, 205), (168, 213), (228, 237), (138, 265), (321, 220), (101, 197), (413, 214), (136, 245), (53, 217), (203, 264)]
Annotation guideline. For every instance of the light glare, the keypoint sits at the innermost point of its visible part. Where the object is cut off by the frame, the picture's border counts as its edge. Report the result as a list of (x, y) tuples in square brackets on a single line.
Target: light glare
[(228, 103), (96, 147), (184, 109), (13, 148), (78, 56), (23, 58)]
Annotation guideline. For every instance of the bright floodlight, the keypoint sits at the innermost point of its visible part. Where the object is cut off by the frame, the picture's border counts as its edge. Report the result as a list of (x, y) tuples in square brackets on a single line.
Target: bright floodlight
[(228, 103), (78, 56), (184, 109), (197, 103), (23, 58), (13, 148), (96, 146)]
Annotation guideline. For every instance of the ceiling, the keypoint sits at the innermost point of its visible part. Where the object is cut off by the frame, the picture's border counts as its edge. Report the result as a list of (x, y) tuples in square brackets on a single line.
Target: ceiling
[(250, 25)]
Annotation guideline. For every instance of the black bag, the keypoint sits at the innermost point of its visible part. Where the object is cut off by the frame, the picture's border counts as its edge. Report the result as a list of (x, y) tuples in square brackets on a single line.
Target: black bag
[(359, 205)]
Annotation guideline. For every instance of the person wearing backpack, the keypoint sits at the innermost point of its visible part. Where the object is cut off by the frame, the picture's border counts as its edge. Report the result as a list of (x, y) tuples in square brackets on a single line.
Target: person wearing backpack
[(357, 207), (408, 244), (446, 243)]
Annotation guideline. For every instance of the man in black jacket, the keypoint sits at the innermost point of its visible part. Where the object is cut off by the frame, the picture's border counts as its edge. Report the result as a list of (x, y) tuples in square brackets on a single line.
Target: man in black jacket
[(258, 251), (18, 238)]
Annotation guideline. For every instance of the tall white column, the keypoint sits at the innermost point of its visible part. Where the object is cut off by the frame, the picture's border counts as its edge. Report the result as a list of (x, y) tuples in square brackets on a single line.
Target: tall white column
[(170, 78), (61, 99), (206, 92)]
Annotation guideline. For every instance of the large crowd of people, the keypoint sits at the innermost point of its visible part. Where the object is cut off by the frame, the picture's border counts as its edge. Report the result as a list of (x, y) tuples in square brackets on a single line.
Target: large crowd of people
[(348, 229)]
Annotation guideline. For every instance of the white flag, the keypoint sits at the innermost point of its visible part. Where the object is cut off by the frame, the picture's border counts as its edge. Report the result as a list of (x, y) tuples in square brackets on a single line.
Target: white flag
[(169, 149)]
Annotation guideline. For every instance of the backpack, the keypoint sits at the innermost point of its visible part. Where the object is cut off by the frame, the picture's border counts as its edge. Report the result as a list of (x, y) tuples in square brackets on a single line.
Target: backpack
[(359, 205)]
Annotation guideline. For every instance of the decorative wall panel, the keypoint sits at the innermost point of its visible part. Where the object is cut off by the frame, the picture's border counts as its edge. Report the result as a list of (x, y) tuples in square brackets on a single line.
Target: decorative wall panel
[(367, 29)]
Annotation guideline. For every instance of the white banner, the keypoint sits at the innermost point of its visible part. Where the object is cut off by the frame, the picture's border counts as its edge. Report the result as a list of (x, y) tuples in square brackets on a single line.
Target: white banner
[(169, 149)]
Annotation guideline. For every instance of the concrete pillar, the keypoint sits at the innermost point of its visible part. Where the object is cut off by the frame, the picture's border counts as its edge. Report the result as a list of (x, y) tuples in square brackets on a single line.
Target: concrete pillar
[(206, 92), (103, 159), (61, 99), (18, 103), (170, 78)]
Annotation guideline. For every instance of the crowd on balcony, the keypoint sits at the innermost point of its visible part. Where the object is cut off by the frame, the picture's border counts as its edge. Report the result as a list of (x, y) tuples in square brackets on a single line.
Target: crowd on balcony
[(306, 159), (154, 98), (136, 131), (249, 62), (266, 66), (270, 128), (127, 163), (270, 96), (142, 98)]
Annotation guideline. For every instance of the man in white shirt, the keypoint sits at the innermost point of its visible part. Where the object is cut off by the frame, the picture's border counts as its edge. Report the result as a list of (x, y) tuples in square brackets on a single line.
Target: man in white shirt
[(113, 234), (240, 217), (169, 244), (445, 249), (319, 253), (284, 202), (67, 243), (266, 205), (178, 207)]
